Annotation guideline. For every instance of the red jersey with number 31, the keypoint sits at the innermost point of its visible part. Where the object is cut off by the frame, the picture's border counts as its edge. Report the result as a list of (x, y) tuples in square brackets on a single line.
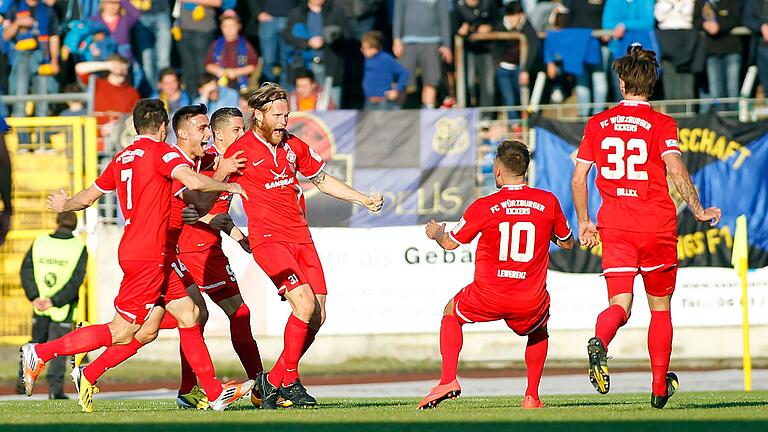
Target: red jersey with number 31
[(627, 143), (517, 224), (142, 175)]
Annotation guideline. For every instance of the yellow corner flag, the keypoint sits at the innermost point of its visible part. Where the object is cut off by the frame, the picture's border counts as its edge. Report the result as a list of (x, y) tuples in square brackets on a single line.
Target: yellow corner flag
[(740, 263)]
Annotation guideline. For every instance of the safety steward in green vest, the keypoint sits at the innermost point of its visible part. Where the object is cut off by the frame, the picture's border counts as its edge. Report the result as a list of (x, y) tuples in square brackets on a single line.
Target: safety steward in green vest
[(51, 274)]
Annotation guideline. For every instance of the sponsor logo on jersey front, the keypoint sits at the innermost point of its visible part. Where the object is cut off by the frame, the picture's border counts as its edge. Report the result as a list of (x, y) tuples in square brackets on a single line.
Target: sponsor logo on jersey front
[(281, 179)]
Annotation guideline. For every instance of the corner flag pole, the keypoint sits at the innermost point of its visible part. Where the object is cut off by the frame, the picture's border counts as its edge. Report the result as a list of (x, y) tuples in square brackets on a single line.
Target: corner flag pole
[(740, 262)]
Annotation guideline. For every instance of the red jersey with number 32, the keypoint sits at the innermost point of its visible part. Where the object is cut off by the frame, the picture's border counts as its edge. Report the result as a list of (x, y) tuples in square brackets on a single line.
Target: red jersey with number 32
[(142, 175), (627, 143), (516, 225), (200, 236), (274, 205)]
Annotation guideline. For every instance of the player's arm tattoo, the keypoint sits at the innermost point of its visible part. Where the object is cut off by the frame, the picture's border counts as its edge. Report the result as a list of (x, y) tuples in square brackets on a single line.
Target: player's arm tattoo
[(688, 192), (319, 178)]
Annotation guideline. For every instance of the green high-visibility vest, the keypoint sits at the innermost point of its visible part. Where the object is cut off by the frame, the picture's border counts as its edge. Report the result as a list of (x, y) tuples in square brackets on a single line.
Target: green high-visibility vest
[(55, 260)]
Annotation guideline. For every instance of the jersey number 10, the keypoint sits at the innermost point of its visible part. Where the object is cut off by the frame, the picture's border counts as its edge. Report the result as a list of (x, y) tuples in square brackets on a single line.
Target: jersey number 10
[(509, 245), (616, 158)]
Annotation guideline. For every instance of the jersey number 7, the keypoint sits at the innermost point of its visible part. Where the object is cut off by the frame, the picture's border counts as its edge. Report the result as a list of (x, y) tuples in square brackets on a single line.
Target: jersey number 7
[(126, 176)]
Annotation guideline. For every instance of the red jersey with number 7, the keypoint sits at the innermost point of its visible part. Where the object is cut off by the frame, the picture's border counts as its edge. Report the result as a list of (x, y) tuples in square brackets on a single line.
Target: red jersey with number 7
[(517, 224), (627, 143), (142, 174)]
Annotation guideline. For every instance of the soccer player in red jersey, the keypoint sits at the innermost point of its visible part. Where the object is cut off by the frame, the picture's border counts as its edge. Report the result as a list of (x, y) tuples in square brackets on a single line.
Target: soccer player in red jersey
[(634, 148), (142, 174), (515, 225), (278, 232), (200, 249)]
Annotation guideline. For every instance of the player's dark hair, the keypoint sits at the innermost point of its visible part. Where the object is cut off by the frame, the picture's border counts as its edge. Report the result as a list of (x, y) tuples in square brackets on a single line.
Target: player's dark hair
[(262, 98), (221, 116), (149, 115), (67, 220), (185, 113), (514, 156), (638, 70)]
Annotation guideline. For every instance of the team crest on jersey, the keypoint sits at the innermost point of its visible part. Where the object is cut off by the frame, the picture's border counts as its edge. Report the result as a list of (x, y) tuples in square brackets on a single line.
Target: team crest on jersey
[(451, 136), (290, 156), (313, 130)]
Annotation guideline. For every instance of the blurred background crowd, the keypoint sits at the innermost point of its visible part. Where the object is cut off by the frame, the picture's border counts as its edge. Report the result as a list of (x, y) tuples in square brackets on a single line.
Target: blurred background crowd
[(370, 54)]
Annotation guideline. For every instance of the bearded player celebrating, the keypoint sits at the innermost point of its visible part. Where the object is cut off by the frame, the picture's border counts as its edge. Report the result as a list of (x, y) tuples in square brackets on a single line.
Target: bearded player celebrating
[(279, 235), (634, 148)]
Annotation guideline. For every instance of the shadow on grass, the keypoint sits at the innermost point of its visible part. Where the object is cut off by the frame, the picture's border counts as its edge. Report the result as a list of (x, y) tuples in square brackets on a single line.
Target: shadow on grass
[(729, 404), (443, 426)]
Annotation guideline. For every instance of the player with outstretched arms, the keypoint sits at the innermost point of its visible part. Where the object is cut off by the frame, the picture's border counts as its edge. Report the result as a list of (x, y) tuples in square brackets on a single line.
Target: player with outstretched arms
[(278, 232), (142, 175), (516, 225), (634, 148)]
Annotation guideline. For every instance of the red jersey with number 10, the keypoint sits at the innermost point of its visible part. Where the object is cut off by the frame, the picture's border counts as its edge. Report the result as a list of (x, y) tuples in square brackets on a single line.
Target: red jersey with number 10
[(627, 143), (274, 205), (142, 175), (512, 255)]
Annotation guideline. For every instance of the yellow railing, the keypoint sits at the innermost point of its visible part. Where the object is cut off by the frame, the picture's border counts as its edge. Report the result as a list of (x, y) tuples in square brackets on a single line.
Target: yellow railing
[(46, 154)]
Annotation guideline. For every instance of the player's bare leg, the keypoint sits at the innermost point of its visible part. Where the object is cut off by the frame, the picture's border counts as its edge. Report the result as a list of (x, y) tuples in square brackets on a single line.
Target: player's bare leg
[(293, 392), (535, 356), (608, 323), (84, 339), (665, 383), (187, 313), (302, 301), (451, 342)]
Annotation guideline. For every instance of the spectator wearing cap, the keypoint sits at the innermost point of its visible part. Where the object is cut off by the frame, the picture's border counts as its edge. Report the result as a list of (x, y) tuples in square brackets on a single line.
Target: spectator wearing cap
[(214, 95), (384, 79), (197, 24), (32, 28), (272, 16), (512, 71), (318, 33), (231, 58), (308, 95), (756, 18), (477, 17), (717, 19), (421, 32)]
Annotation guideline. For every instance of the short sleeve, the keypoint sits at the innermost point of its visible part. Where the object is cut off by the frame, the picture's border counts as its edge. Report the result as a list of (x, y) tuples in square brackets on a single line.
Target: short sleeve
[(177, 188), (308, 161), (586, 153), (168, 160), (106, 181), (561, 228), (469, 226), (666, 138)]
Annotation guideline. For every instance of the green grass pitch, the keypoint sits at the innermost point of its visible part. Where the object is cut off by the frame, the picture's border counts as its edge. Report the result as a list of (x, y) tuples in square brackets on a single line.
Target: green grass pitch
[(715, 411)]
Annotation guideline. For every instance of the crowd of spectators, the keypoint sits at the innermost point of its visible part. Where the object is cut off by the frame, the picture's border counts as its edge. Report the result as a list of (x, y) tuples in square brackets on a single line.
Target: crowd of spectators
[(372, 54)]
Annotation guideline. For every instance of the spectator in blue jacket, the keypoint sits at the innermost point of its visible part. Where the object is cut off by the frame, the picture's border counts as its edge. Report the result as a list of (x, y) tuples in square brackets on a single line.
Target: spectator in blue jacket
[(381, 71), (628, 18)]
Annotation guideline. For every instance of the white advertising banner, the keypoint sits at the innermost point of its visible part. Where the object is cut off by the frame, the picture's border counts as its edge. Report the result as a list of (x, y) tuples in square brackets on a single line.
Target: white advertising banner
[(396, 280)]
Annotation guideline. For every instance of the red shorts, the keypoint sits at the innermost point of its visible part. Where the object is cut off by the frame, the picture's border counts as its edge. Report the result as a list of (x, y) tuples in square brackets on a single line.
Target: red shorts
[(140, 289), (210, 269), (471, 305), (289, 265), (177, 280), (652, 255)]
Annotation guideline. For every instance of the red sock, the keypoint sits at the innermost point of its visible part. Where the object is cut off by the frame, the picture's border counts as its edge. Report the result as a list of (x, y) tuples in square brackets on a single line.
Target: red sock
[(188, 377), (243, 342), (451, 341), (535, 356), (82, 340), (660, 349), (110, 358), (293, 343), (168, 322), (199, 358), (291, 376), (608, 323)]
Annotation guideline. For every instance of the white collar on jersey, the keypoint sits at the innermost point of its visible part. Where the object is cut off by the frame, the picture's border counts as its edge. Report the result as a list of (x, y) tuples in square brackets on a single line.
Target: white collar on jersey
[(176, 146), (514, 186), (634, 102), (138, 137)]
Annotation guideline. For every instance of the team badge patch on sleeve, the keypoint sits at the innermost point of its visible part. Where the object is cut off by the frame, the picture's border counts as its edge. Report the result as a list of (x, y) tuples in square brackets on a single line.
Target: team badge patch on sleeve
[(170, 156)]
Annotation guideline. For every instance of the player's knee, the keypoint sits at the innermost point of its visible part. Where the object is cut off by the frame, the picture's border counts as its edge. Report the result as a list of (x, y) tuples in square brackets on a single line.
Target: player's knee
[(304, 310), (146, 336), (121, 335), (187, 317)]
